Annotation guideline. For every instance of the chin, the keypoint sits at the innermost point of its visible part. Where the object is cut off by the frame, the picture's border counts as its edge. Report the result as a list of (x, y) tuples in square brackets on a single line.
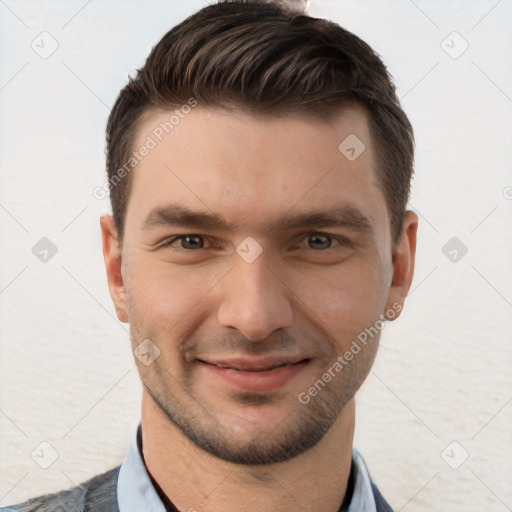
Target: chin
[(255, 418)]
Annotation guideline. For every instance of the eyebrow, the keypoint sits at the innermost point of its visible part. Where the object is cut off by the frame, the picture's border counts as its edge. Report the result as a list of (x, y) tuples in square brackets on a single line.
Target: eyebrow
[(342, 216)]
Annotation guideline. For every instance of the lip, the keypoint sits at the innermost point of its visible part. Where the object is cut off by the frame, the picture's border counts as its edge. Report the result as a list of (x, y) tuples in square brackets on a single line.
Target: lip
[(254, 364), (255, 374)]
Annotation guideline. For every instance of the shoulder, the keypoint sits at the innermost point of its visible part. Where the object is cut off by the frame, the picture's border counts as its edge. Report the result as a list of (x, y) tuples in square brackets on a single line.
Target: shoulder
[(98, 494)]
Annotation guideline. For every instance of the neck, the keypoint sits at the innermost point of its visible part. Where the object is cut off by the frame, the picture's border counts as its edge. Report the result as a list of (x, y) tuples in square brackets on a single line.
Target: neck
[(195, 480)]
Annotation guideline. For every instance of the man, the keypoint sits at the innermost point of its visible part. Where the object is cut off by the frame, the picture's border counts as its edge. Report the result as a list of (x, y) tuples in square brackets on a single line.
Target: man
[(259, 170)]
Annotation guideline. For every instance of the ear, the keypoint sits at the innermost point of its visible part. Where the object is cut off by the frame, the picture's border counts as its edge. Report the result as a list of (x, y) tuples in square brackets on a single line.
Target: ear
[(112, 257), (404, 254)]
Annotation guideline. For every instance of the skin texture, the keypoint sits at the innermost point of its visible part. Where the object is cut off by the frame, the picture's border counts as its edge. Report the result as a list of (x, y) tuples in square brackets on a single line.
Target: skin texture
[(309, 294)]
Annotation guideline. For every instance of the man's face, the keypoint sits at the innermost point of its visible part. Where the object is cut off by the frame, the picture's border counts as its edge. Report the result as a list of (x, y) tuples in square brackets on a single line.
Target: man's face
[(221, 312)]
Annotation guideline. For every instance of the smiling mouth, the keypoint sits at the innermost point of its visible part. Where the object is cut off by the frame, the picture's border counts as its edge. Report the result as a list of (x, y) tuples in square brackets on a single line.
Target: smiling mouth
[(264, 374), (240, 367), (249, 368)]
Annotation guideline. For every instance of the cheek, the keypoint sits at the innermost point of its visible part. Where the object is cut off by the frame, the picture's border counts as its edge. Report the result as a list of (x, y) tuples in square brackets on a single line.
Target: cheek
[(162, 295), (346, 301)]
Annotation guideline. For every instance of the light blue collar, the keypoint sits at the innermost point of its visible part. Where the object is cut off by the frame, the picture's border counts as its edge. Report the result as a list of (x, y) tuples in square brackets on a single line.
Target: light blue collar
[(135, 491), (362, 499)]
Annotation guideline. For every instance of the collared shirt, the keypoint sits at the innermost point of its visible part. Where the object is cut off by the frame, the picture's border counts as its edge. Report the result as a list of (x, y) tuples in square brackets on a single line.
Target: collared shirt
[(136, 493)]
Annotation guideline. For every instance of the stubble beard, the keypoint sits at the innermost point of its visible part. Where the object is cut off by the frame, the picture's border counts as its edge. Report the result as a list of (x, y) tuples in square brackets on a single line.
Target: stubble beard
[(299, 431)]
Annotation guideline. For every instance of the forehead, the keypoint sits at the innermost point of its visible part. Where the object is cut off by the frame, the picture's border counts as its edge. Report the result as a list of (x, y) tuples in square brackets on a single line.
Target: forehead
[(251, 168)]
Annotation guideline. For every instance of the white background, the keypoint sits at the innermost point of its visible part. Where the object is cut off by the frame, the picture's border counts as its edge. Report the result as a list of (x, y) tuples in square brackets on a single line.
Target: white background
[(443, 372)]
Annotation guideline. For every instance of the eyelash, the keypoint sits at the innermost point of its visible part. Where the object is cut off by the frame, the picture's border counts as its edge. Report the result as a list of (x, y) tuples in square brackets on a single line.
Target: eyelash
[(341, 241)]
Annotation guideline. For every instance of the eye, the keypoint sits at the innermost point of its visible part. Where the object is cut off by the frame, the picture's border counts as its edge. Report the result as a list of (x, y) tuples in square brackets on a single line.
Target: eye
[(188, 242), (192, 242), (321, 241)]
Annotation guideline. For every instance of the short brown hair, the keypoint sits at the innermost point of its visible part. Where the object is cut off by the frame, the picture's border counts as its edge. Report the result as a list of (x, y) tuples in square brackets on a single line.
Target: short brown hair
[(260, 57)]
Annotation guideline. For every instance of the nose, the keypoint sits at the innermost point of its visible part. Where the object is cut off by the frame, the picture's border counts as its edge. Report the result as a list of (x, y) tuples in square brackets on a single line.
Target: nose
[(254, 300)]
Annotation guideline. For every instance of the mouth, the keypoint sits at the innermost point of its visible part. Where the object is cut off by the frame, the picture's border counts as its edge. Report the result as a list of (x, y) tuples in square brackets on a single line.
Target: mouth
[(256, 374), (247, 365)]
